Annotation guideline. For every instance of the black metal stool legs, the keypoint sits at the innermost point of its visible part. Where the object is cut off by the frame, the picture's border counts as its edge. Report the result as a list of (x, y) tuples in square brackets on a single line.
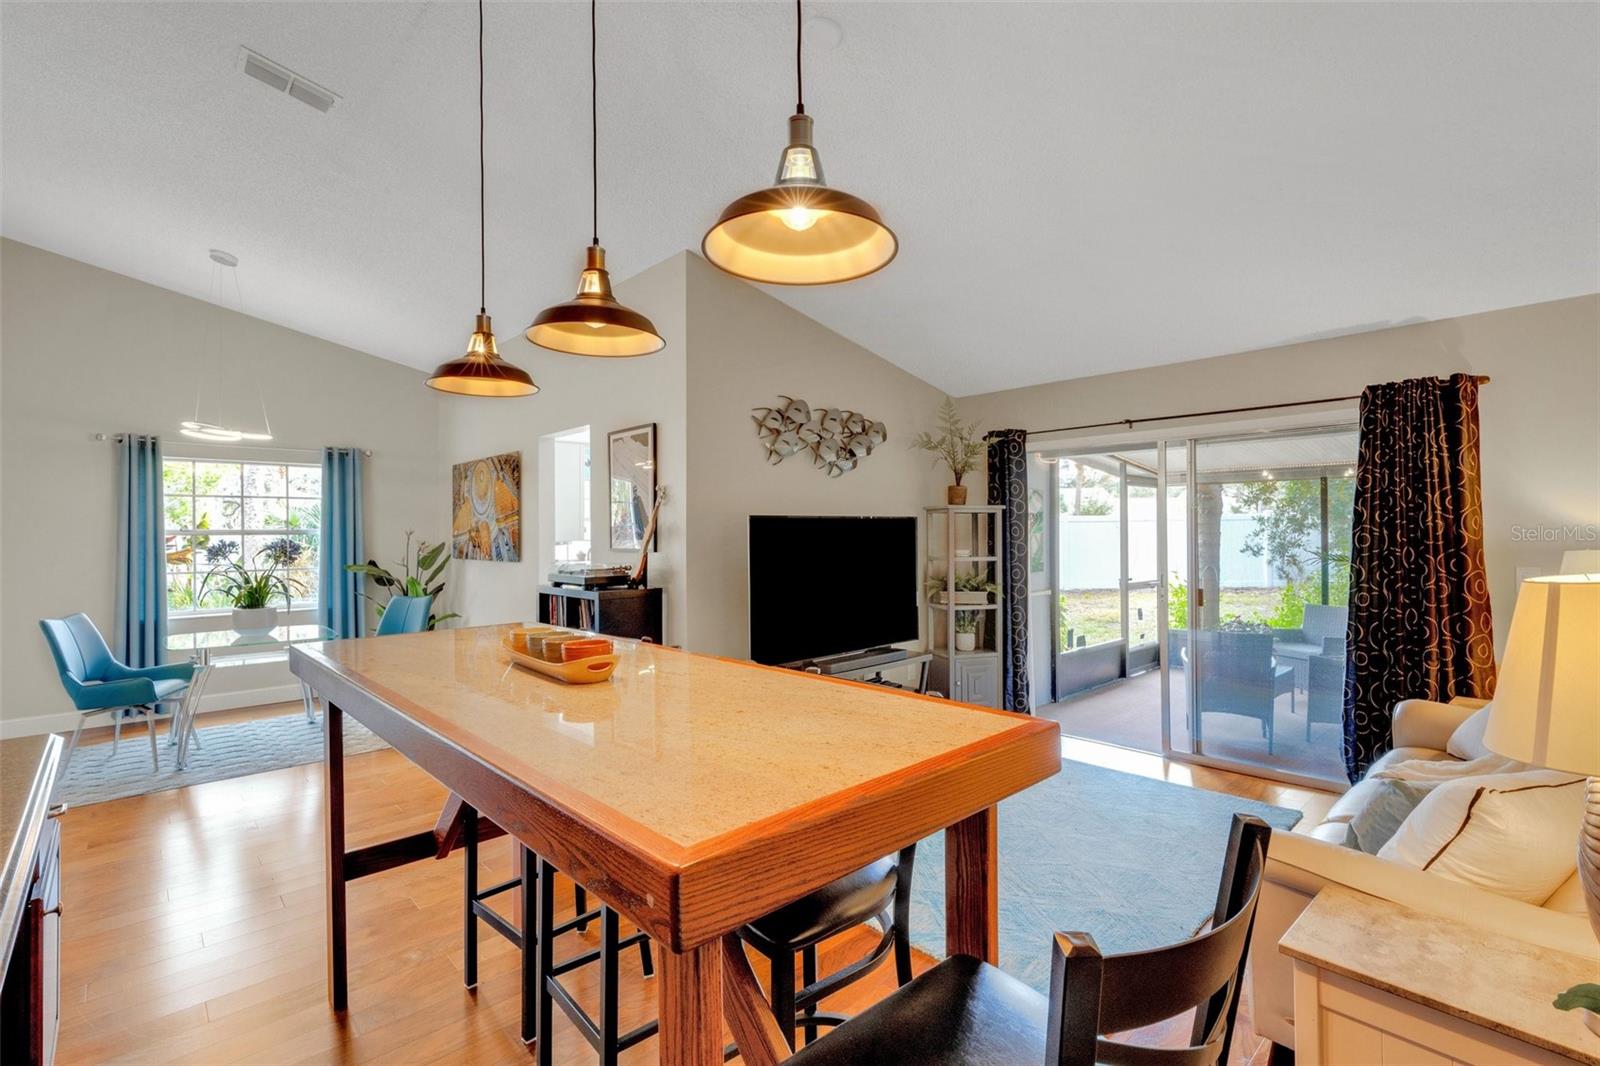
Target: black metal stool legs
[(542, 990), (478, 910), (602, 1034), (545, 941)]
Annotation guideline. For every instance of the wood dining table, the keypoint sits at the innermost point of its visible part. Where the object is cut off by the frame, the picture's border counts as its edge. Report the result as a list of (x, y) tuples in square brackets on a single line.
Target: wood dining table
[(690, 793)]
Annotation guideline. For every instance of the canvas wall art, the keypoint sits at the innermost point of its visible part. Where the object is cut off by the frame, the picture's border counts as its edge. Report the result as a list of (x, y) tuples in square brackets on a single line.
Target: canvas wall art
[(486, 505)]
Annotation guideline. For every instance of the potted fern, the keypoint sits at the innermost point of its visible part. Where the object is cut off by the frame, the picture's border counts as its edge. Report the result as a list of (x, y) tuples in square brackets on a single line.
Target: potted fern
[(957, 446)]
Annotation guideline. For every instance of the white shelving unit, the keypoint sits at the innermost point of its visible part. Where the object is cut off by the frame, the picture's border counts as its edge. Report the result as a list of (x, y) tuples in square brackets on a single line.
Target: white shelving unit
[(964, 543)]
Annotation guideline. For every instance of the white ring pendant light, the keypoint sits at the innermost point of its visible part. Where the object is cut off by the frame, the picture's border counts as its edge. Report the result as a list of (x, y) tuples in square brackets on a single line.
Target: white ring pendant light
[(799, 231), (215, 432), (593, 323), (481, 372)]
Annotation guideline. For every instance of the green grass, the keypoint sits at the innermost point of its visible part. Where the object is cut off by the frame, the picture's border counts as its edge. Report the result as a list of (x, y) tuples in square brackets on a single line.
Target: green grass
[(1094, 614)]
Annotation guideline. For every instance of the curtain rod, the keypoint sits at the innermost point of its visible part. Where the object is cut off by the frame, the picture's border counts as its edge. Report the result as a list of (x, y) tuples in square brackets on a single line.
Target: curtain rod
[(1129, 423), (118, 438)]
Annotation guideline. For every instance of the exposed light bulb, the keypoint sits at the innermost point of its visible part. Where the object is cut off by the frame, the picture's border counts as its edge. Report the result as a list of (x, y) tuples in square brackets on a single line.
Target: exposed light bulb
[(798, 218)]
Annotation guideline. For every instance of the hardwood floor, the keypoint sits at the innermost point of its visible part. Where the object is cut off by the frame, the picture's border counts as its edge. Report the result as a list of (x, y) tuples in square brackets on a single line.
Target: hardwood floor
[(192, 926)]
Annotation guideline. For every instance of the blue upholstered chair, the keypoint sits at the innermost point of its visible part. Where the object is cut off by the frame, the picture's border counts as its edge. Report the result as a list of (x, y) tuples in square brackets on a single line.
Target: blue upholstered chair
[(98, 684), (403, 614)]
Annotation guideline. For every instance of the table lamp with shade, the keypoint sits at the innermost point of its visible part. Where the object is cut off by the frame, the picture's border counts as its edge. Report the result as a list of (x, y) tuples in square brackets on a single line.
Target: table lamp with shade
[(1546, 708)]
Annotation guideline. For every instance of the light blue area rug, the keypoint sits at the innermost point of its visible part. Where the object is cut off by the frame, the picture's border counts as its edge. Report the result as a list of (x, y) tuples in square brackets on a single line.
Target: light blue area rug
[(1133, 861), (233, 750)]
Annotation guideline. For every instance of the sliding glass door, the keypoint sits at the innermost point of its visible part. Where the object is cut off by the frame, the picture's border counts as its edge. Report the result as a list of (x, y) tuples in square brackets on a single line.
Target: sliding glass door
[(1199, 597), (1271, 579)]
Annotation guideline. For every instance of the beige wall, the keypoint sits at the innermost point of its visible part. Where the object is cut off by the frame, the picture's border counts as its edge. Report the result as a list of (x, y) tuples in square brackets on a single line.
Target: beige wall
[(605, 395), (1540, 414), (85, 351), (730, 348), (745, 350)]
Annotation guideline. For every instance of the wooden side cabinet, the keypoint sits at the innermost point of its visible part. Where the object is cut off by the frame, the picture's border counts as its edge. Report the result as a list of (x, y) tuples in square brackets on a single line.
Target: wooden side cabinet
[(1379, 983), (967, 678), (30, 998)]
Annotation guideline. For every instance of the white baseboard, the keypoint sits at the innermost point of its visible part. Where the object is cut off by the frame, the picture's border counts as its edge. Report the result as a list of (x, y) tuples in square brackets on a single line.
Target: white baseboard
[(67, 721)]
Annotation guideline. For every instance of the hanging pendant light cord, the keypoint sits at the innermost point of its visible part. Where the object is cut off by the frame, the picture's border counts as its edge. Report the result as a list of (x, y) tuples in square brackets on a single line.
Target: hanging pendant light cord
[(483, 239), (594, 123), (799, 77)]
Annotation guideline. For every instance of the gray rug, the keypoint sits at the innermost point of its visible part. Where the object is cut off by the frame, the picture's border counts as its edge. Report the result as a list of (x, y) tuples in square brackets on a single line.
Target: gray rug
[(1133, 861), (233, 750)]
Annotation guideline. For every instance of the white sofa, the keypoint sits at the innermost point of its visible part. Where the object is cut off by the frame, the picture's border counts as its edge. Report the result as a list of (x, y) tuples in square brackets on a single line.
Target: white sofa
[(1298, 866)]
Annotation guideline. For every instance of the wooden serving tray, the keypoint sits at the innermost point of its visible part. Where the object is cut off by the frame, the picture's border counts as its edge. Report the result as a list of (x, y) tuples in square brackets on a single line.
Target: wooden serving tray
[(578, 672)]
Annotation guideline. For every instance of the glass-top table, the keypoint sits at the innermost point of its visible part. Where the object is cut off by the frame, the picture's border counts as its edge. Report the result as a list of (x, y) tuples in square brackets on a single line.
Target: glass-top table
[(205, 648), (221, 640)]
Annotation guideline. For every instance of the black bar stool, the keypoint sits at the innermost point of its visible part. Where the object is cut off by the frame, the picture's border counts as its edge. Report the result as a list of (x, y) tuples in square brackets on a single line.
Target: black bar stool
[(536, 911), (872, 893), (602, 1035)]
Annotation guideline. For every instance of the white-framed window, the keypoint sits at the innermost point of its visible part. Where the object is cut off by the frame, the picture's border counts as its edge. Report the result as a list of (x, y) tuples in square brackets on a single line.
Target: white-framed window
[(260, 514)]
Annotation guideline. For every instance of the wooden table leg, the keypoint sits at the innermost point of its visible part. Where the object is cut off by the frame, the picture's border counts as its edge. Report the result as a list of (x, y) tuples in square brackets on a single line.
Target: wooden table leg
[(333, 797), (690, 993), (755, 1030), (972, 887)]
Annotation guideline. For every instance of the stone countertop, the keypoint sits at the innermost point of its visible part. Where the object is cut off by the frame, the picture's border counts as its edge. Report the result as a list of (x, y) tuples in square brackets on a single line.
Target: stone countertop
[(691, 747), (27, 775), (1460, 970)]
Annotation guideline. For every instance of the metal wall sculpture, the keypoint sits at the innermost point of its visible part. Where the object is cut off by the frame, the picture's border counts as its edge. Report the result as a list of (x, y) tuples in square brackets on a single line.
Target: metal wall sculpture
[(837, 439)]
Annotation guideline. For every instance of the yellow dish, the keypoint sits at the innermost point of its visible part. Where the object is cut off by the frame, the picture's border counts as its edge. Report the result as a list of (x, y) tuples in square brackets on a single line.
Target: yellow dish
[(578, 672)]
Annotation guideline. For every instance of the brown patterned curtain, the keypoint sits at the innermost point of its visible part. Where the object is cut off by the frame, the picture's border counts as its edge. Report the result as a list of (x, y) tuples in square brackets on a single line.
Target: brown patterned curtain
[(1419, 596), (1008, 486)]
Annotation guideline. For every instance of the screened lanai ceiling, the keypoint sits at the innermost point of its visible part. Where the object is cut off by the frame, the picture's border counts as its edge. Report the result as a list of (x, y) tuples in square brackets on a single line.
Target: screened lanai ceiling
[(1330, 453)]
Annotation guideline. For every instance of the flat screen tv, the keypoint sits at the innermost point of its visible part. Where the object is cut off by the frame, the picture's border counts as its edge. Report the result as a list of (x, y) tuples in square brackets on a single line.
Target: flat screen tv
[(829, 585)]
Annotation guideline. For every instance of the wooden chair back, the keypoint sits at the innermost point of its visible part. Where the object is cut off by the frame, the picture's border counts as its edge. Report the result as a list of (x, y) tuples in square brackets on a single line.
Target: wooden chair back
[(1091, 994)]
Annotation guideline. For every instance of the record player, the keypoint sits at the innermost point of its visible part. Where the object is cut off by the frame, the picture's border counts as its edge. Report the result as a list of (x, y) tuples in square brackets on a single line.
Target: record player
[(589, 576)]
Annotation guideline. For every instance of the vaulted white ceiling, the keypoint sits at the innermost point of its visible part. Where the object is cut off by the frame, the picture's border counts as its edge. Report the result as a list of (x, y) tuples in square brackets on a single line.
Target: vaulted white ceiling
[(1077, 188)]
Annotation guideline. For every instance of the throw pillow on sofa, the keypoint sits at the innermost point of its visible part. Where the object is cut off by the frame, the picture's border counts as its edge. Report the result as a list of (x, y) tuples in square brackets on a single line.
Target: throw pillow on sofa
[(1390, 803), (1510, 834), (1467, 740)]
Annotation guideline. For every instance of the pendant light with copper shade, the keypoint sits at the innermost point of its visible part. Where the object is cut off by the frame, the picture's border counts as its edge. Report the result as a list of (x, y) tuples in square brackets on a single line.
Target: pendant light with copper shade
[(593, 322), (481, 372), (799, 231)]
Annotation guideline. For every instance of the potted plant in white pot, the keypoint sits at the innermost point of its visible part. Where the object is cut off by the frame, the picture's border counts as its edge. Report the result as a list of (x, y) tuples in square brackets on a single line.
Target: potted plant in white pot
[(957, 446), (966, 630), (251, 594)]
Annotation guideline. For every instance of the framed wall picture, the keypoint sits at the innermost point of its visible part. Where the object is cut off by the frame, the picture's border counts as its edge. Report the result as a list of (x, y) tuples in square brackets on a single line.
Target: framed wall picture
[(485, 507), (632, 455)]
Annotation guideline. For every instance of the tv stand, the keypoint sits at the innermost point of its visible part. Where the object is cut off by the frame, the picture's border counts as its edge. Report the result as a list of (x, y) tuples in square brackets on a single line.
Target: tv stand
[(854, 661), (869, 667)]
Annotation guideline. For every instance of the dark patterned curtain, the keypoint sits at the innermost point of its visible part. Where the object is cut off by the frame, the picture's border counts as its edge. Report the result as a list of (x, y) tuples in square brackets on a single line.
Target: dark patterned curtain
[(1008, 487), (1419, 597)]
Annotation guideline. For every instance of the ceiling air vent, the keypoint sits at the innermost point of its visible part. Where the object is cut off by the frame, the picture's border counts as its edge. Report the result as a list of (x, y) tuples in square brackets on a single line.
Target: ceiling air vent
[(284, 80)]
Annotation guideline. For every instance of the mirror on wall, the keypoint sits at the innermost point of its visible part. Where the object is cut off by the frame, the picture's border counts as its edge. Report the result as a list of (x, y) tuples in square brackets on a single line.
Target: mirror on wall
[(632, 454)]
